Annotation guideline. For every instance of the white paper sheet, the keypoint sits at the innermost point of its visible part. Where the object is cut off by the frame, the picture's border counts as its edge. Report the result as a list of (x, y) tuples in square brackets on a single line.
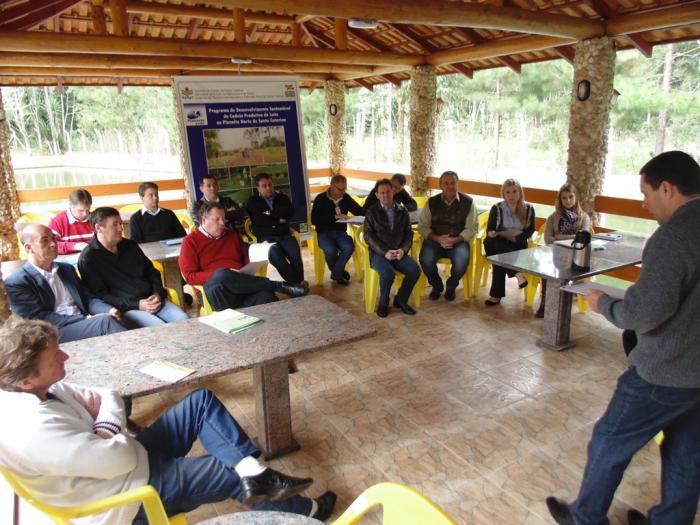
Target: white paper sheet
[(584, 287), (166, 371)]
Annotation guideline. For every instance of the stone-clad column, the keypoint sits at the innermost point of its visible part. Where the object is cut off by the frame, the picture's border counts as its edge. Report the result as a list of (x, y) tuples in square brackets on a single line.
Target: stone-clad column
[(590, 119), (335, 123), (9, 206), (423, 121)]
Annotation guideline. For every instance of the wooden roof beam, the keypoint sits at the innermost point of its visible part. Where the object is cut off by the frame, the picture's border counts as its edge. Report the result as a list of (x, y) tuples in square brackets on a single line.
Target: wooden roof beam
[(26, 16), (341, 33), (411, 34), (466, 71), (77, 60), (566, 52), (652, 20), (365, 84), (477, 39), (120, 18), (155, 8), (438, 12), (99, 22), (638, 41), (238, 26), (497, 48), (70, 43), (601, 7), (193, 29), (141, 73)]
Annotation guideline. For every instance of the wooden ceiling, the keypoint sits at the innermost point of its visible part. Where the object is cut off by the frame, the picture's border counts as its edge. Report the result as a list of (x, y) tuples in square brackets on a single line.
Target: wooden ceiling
[(145, 42)]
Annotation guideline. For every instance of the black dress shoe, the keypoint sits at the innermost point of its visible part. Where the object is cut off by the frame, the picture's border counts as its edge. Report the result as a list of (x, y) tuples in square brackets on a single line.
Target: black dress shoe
[(187, 299), (404, 307), (293, 290), (291, 367), (634, 517), (489, 302), (346, 275), (560, 511), (449, 295), (326, 504), (382, 311), (434, 294), (271, 485), (342, 279)]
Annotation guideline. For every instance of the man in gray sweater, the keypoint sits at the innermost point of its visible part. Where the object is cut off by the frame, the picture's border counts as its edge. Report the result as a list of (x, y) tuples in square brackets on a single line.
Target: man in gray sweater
[(661, 389)]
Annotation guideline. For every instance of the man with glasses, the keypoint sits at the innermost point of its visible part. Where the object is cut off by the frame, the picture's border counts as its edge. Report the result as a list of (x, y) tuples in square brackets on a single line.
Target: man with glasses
[(333, 238)]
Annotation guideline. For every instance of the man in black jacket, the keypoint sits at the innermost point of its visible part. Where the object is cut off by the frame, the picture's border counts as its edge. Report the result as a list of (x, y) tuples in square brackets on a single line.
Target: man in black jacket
[(209, 186), (388, 234), (333, 238), (51, 291), (269, 213), (401, 196), (117, 271)]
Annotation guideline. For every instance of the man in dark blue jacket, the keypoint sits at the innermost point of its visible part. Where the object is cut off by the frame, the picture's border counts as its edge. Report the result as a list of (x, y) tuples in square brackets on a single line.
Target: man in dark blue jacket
[(51, 291)]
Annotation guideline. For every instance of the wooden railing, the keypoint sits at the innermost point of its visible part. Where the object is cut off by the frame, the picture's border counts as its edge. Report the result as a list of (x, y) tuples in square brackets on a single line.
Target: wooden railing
[(603, 204)]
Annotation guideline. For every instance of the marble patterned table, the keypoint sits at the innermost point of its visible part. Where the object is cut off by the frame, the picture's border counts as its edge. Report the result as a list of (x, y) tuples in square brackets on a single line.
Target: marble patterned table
[(261, 518), (291, 328), (553, 263)]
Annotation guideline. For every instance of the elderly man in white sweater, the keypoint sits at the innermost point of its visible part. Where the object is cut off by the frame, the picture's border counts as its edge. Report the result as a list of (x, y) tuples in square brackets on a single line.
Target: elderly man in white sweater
[(68, 445)]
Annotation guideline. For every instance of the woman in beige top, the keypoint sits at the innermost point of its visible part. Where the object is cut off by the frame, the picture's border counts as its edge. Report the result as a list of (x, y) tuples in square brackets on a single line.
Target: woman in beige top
[(567, 219)]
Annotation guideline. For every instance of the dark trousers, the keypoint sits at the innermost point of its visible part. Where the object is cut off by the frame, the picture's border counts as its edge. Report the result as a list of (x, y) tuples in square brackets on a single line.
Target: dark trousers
[(386, 270), (431, 251), (285, 255), (337, 247), (494, 246), (229, 289), (637, 412), (93, 327), (185, 482)]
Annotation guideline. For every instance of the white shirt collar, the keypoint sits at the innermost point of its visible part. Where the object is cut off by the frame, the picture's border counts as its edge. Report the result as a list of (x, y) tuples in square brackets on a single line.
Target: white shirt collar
[(44, 273), (73, 220), (442, 195), (209, 235), (145, 210)]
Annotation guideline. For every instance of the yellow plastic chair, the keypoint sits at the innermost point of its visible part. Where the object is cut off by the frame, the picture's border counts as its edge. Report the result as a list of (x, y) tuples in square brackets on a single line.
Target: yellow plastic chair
[(173, 296), (131, 208), (147, 495), (184, 220), (359, 200), (481, 265), (401, 505), (421, 200), (320, 258), (205, 307), (370, 285), (419, 290)]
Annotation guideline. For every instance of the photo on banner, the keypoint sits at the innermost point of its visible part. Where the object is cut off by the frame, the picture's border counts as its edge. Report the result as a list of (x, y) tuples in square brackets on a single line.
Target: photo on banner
[(236, 128)]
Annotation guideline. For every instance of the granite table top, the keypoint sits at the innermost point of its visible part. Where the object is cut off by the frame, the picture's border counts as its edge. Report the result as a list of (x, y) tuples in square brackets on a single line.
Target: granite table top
[(289, 328), (261, 518), (157, 251), (554, 261)]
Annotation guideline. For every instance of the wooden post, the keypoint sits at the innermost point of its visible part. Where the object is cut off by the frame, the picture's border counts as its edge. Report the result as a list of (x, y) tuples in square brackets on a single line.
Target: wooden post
[(296, 35), (238, 26), (423, 121), (9, 207), (335, 123), (589, 120), (120, 18), (341, 33), (99, 23)]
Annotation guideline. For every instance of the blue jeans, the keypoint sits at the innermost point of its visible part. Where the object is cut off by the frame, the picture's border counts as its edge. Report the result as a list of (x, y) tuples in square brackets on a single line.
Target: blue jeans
[(286, 257), (169, 313), (637, 411), (338, 248), (185, 483), (431, 251), (386, 270)]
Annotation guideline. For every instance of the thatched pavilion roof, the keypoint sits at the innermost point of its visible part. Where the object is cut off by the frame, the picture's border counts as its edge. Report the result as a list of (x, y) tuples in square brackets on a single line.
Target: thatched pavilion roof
[(145, 42)]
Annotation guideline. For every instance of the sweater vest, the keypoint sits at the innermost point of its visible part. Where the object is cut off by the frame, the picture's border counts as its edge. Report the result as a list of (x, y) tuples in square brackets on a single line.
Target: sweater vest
[(449, 220)]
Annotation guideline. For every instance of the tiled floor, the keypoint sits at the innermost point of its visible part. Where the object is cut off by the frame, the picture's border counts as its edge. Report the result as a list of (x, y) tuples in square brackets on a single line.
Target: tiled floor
[(457, 402)]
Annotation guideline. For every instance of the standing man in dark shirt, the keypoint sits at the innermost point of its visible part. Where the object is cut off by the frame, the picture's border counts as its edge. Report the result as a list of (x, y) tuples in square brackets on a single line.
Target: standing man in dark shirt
[(333, 237), (661, 388), (401, 196), (235, 215), (389, 236), (117, 271), (269, 213), (152, 223)]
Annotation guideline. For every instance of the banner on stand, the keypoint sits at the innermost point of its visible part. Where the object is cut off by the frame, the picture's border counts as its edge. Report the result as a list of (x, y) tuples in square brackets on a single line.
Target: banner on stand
[(237, 127)]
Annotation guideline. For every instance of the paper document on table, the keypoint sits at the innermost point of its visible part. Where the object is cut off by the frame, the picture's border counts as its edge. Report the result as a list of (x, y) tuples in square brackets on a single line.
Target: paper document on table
[(166, 371), (608, 236), (172, 242), (596, 244), (584, 287), (355, 219), (230, 321)]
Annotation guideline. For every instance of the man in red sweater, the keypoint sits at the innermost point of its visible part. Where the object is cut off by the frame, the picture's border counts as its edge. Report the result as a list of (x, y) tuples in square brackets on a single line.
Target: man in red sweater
[(212, 255), (72, 227)]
